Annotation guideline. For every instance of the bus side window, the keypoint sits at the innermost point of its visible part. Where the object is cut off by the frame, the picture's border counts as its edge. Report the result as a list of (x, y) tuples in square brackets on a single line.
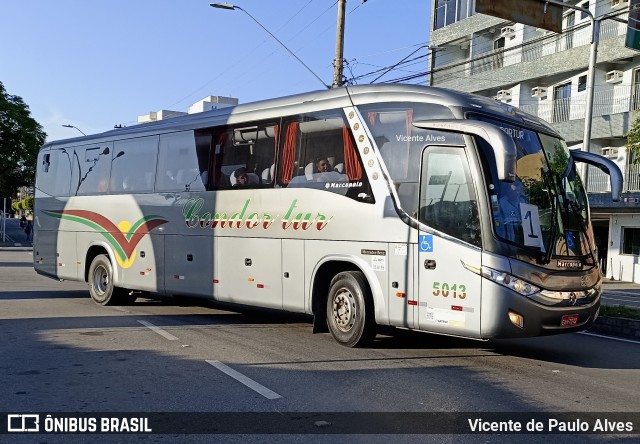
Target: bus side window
[(133, 167), (91, 169), (244, 156), (318, 149), (183, 162), (54, 175)]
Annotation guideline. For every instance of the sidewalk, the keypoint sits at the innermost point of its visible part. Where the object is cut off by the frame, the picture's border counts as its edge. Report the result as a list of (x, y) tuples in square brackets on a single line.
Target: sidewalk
[(608, 284)]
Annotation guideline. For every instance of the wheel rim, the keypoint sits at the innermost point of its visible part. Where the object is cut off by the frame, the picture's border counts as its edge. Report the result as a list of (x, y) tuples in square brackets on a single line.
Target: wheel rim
[(344, 310), (100, 279)]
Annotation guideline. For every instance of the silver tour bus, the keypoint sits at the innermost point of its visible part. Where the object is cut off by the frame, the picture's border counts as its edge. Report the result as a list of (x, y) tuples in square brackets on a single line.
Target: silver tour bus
[(366, 206)]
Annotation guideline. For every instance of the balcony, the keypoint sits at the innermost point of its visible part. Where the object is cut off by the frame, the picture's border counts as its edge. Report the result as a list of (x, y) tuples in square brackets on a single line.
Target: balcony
[(613, 100), (599, 181), (526, 61)]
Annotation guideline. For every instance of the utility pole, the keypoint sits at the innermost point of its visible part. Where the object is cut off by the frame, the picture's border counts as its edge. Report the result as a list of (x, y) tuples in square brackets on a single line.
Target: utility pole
[(337, 62)]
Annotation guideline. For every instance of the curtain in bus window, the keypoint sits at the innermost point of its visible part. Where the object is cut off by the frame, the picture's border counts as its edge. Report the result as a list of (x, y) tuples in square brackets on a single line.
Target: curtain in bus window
[(289, 152), (219, 178), (351, 163)]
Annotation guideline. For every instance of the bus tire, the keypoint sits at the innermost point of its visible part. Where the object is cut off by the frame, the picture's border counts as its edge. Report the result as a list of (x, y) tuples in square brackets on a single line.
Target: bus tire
[(101, 287), (350, 310)]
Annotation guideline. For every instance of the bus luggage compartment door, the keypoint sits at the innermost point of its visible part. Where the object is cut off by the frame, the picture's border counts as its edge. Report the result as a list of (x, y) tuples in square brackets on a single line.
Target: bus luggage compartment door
[(249, 271)]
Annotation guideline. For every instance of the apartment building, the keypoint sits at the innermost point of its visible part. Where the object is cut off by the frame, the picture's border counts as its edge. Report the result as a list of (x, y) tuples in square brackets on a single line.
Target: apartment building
[(545, 74)]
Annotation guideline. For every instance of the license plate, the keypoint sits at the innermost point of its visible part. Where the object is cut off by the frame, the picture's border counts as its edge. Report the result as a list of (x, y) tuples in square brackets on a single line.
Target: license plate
[(568, 320)]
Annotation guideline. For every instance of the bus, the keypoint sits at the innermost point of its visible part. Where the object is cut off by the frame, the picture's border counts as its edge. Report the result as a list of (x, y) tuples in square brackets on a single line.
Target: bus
[(366, 207)]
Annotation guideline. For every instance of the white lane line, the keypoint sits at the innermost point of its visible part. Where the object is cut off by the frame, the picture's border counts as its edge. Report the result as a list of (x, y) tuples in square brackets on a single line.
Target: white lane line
[(158, 330), (253, 385), (609, 337)]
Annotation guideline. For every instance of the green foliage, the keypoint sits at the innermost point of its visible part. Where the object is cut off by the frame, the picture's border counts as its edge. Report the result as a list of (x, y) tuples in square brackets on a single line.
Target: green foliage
[(618, 311), (28, 203), (633, 141), (20, 139)]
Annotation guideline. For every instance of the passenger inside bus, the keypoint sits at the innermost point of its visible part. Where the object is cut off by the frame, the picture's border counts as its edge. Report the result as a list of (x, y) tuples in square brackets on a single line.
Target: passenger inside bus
[(241, 178), (321, 170)]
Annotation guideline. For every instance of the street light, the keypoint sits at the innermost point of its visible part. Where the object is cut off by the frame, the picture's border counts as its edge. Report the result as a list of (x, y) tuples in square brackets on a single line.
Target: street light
[(233, 7), (71, 126)]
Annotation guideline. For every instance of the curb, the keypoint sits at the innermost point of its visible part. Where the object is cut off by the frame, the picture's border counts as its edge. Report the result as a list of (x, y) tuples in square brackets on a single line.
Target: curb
[(619, 327)]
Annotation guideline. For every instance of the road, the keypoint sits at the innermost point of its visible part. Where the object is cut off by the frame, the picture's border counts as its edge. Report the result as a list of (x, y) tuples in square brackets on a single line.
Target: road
[(62, 353)]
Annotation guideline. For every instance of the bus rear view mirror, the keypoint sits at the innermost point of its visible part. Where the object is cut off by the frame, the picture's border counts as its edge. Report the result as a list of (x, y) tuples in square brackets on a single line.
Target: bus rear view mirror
[(606, 165), (504, 149)]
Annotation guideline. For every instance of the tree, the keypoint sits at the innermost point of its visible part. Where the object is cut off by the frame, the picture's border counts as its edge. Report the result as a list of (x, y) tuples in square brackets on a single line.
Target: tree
[(633, 141), (20, 139)]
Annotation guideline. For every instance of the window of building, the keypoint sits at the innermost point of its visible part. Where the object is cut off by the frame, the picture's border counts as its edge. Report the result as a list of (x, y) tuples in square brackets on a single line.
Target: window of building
[(631, 241), (133, 166), (451, 11), (582, 83), (583, 14)]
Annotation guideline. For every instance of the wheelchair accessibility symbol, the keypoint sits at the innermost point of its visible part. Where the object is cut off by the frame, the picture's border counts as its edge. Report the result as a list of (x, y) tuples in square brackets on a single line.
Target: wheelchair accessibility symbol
[(426, 243)]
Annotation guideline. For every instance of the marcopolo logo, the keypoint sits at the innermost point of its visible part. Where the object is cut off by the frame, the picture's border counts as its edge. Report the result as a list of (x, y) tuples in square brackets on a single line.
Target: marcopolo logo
[(123, 237), (23, 422)]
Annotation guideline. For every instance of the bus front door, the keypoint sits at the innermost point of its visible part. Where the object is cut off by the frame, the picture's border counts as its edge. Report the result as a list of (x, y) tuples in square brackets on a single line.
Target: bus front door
[(449, 292)]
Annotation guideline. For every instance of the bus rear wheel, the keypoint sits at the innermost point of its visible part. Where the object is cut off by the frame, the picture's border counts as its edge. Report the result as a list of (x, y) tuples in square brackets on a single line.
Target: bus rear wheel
[(101, 286), (350, 311)]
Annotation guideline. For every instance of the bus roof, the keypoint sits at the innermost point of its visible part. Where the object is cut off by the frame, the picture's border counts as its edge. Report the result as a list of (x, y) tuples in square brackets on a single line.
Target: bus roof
[(319, 100)]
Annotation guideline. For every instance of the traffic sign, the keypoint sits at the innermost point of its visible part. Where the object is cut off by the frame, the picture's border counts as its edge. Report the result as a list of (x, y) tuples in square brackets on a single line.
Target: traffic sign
[(536, 13)]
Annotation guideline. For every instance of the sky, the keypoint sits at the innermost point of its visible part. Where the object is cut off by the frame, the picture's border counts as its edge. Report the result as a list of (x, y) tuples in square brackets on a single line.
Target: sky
[(95, 64)]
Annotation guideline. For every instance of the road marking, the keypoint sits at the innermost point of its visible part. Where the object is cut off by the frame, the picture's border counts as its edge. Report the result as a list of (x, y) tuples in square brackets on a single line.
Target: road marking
[(158, 330), (609, 337), (253, 385)]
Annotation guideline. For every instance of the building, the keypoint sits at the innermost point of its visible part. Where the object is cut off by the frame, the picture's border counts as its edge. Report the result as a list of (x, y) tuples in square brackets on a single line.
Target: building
[(212, 102), (545, 74), (206, 104)]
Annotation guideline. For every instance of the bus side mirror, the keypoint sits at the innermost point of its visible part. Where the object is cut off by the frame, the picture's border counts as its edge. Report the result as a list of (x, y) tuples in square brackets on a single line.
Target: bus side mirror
[(606, 165), (504, 149)]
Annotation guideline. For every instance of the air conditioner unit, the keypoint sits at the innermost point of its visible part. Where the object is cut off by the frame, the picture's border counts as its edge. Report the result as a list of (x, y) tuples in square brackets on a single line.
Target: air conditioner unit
[(619, 3), (613, 76), (610, 152), (504, 94), (507, 31), (539, 91)]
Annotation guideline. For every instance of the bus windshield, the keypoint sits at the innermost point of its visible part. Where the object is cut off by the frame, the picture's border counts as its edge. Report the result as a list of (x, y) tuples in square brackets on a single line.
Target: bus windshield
[(546, 206)]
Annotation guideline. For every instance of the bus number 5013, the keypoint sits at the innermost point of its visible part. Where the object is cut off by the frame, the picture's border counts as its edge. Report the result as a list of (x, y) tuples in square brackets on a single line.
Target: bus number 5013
[(445, 290)]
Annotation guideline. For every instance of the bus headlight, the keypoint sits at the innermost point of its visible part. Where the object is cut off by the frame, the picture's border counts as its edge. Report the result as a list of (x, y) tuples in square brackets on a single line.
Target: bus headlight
[(510, 281), (504, 279)]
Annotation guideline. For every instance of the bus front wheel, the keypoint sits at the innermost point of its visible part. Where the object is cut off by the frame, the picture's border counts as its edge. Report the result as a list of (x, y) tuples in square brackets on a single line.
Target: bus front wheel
[(101, 286), (350, 311)]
